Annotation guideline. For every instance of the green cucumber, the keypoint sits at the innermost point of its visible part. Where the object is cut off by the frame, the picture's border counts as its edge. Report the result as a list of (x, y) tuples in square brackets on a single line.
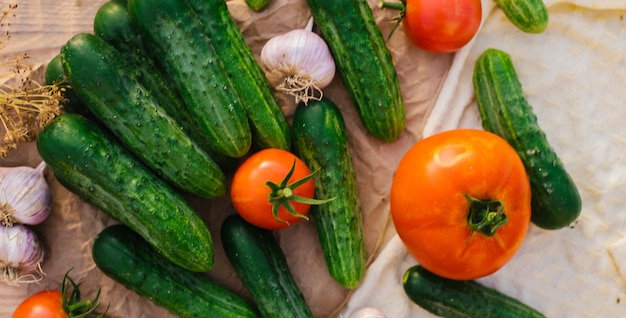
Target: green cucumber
[(257, 5), (174, 35), (260, 264), (530, 16), (55, 75), (88, 161), (461, 298), (364, 62), (505, 111), (123, 255), (112, 24), (267, 121), (321, 141), (114, 94)]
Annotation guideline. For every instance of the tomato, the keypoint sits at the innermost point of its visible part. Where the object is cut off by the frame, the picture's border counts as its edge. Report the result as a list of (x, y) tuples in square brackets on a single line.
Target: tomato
[(442, 26), (460, 202), (44, 304), (51, 303), (250, 193)]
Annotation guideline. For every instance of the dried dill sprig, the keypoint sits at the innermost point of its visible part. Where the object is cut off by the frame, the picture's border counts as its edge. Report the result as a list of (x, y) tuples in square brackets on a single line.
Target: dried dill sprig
[(26, 106)]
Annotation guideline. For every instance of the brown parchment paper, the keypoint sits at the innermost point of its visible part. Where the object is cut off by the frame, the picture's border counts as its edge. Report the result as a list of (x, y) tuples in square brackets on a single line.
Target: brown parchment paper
[(42, 26)]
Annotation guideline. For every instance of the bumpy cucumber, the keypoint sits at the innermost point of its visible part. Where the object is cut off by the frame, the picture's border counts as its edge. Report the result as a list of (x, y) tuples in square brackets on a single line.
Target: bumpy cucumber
[(112, 24), (127, 258), (55, 74), (174, 35), (321, 141), (461, 298), (89, 162), (257, 5), (530, 16), (267, 121), (259, 262), (365, 63), (504, 109), (114, 94)]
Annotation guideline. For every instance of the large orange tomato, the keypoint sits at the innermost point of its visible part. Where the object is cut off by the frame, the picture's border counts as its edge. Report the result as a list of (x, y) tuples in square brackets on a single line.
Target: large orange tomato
[(460, 202)]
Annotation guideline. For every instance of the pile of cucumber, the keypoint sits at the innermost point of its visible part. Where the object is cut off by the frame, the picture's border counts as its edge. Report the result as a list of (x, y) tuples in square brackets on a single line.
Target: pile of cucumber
[(165, 96)]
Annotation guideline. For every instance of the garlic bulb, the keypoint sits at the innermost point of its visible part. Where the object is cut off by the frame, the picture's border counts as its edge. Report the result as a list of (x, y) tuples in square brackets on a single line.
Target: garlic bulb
[(302, 60), (24, 195), (21, 255)]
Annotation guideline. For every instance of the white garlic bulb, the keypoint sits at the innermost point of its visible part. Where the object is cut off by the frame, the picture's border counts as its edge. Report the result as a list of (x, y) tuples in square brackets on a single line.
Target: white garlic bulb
[(21, 255), (303, 61), (24, 195)]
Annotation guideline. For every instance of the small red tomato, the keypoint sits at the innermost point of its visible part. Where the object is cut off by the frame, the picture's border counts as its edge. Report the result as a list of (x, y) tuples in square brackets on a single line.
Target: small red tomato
[(460, 202), (442, 26), (264, 189)]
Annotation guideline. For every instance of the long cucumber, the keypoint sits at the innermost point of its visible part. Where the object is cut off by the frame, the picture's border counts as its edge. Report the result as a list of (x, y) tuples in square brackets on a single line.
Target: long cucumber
[(89, 162), (114, 94), (174, 35)]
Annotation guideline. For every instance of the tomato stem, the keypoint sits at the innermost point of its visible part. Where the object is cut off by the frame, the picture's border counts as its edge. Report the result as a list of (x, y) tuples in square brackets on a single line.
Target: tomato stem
[(399, 6), (73, 306), (283, 194), (486, 216)]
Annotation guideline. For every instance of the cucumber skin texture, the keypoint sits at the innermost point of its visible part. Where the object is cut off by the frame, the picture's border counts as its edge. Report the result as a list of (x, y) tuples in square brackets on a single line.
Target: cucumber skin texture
[(55, 74), (115, 96), (365, 63), (112, 24), (530, 16), (504, 110), (127, 258), (321, 141), (87, 160), (270, 128), (174, 34), (260, 264), (461, 298)]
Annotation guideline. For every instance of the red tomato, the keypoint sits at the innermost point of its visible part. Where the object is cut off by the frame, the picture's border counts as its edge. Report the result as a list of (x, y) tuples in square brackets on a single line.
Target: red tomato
[(444, 186), (44, 304), (250, 192), (442, 26)]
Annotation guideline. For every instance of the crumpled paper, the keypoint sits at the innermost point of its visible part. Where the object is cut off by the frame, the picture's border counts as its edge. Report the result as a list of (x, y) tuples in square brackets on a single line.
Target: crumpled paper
[(572, 75)]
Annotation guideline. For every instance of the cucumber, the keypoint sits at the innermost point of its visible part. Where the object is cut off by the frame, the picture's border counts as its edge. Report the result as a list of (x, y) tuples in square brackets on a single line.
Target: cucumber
[(461, 298), (87, 160), (123, 255), (364, 62), (321, 141), (260, 264), (174, 35), (112, 24), (114, 94), (55, 74), (505, 111), (267, 121), (530, 16), (257, 5)]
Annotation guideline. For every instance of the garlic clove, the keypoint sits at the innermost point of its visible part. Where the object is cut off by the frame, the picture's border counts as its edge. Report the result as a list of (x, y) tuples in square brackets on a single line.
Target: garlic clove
[(21, 255), (24, 195), (368, 312), (303, 60)]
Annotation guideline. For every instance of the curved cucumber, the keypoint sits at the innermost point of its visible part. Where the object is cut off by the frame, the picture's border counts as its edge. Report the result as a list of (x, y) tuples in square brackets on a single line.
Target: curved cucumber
[(267, 121), (461, 298), (555, 200), (260, 263), (530, 16), (321, 141), (89, 162)]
